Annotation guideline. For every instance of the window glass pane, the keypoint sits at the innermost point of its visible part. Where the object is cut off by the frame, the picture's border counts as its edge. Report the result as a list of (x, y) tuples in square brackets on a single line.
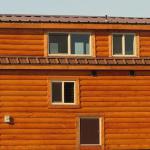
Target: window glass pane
[(80, 43), (117, 44), (56, 92), (58, 43), (69, 92), (89, 131), (129, 44)]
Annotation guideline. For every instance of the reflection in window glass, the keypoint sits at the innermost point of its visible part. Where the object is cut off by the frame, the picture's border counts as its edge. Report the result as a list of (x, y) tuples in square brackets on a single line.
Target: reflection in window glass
[(117, 44), (129, 44), (58, 43), (69, 92), (56, 92), (80, 43)]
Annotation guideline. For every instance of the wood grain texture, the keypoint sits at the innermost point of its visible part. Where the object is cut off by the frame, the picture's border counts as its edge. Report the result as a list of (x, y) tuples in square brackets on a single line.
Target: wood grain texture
[(123, 101), (102, 44), (25, 42)]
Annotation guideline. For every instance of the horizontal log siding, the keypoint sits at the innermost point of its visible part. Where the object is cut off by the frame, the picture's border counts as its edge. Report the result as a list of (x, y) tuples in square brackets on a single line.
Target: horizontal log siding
[(21, 42), (123, 101), (102, 44), (144, 44)]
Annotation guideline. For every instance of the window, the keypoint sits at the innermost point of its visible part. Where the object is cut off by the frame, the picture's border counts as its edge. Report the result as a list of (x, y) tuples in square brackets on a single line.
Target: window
[(69, 43), (63, 92), (90, 131), (124, 44)]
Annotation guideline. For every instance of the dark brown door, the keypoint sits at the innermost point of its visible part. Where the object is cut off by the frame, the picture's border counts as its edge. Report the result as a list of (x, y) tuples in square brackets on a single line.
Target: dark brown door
[(89, 131)]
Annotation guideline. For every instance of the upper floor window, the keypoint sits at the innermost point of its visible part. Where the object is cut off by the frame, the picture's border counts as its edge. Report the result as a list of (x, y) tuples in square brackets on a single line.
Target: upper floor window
[(123, 44), (69, 43)]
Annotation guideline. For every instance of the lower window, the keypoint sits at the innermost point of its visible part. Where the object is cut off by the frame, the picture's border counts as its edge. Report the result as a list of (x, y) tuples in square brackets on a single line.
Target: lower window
[(63, 92), (90, 131)]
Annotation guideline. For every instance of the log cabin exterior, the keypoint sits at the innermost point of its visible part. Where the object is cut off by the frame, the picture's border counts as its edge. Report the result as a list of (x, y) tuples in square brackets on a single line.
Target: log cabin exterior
[(74, 83)]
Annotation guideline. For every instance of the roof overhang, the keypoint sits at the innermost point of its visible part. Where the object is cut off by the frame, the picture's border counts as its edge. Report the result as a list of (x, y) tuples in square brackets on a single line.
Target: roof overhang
[(78, 26)]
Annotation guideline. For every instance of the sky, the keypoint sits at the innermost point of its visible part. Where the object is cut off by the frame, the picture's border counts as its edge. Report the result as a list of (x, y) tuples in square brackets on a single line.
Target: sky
[(128, 8)]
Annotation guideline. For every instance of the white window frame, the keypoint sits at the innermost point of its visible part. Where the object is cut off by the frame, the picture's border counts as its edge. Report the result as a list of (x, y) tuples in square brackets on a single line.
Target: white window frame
[(69, 44), (123, 45), (100, 131), (63, 100)]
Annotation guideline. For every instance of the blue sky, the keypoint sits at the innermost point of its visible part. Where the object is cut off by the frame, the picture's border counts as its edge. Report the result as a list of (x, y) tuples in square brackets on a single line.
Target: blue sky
[(131, 8)]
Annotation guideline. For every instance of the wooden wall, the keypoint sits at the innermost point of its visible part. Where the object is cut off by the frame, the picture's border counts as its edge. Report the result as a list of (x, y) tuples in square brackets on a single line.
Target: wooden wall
[(30, 42), (21, 42), (123, 101), (102, 44), (144, 44)]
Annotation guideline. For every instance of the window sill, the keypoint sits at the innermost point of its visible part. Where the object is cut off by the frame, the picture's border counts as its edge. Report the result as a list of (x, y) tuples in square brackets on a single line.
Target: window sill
[(64, 106), (125, 56), (70, 55)]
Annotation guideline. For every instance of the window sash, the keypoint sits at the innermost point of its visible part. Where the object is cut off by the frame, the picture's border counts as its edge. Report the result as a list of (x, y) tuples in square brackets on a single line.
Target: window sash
[(63, 97), (123, 44), (69, 44)]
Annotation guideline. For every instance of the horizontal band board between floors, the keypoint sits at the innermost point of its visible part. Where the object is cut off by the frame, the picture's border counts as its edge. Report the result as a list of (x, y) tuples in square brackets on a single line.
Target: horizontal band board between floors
[(21, 42), (127, 136), (38, 142), (128, 131), (38, 137), (38, 131), (39, 126)]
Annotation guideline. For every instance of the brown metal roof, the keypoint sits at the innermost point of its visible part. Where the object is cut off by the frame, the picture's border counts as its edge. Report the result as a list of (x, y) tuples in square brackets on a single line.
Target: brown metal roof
[(71, 19), (72, 61)]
